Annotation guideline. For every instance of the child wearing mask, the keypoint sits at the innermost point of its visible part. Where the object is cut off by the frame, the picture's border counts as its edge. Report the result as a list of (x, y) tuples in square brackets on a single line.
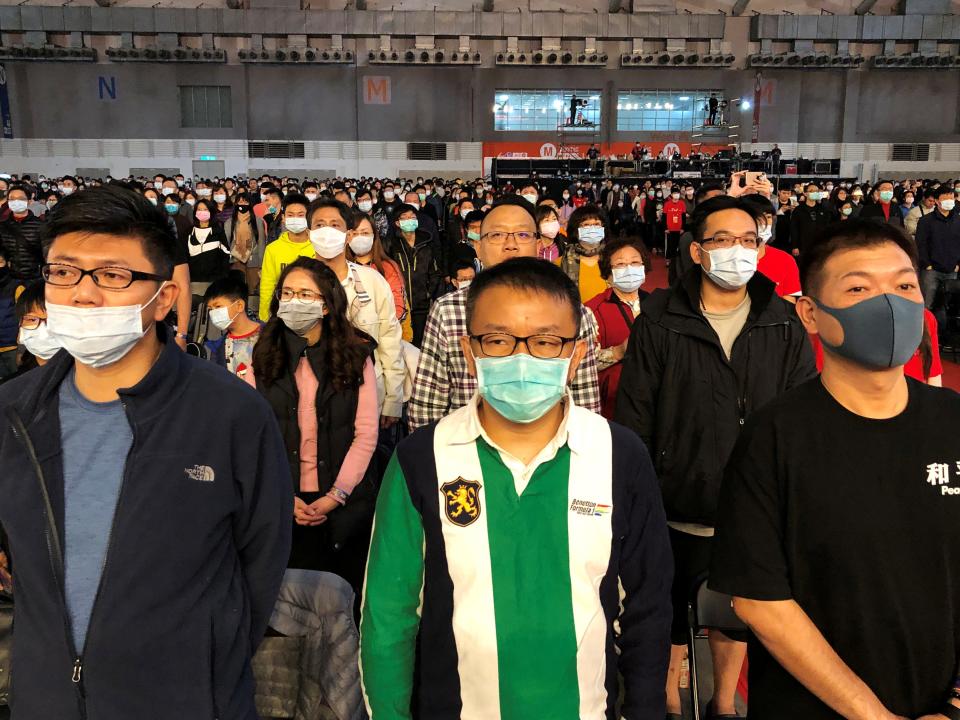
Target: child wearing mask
[(226, 301)]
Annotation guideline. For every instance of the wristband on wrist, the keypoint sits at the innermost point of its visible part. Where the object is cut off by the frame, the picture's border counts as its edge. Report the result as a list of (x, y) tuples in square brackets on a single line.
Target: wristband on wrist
[(341, 496)]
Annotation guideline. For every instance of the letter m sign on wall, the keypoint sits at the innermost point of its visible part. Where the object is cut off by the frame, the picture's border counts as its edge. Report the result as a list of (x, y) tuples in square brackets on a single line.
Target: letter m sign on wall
[(376, 90)]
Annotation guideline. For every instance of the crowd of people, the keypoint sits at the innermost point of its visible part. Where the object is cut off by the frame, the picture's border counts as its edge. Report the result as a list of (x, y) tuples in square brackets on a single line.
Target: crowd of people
[(467, 403)]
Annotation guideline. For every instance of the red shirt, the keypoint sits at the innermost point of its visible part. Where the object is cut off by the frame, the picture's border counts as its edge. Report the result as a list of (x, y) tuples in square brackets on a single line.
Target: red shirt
[(914, 366), (780, 267), (673, 211)]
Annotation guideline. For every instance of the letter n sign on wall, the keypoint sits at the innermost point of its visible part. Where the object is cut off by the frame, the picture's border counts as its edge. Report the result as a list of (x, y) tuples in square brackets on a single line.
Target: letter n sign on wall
[(107, 87), (376, 90)]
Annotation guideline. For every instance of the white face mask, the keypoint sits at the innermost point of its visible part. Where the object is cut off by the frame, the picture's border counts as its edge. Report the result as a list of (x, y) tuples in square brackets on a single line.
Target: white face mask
[(530, 198), (191, 201), (365, 206), (731, 268), (300, 316), (765, 234), (66, 190), (39, 342), (220, 198), (166, 191), (158, 184), (328, 242), (204, 192), (463, 284), (550, 228), (18, 206), (389, 195), (296, 225), (98, 336), (311, 196), (948, 205), (361, 244), (221, 317), (628, 279)]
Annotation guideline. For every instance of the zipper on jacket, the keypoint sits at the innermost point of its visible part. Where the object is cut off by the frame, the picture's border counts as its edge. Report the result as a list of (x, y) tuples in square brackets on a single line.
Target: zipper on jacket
[(76, 677)]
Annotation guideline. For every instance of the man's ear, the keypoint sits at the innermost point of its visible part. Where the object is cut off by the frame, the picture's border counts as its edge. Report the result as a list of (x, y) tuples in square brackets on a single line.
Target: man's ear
[(696, 253), (807, 312), (166, 300), (579, 351), (468, 354)]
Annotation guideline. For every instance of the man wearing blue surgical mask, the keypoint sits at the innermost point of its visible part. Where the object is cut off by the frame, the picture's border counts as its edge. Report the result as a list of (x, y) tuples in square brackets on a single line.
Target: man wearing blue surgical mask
[(520, 543), (702, 356), (146, 494), (838, 513), (887, 209)]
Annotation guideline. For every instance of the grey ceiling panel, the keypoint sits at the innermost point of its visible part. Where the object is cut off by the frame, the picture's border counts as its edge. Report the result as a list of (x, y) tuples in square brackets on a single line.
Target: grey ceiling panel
[(233, 22), (419, 23), (77, 19), (676, 26), (912, 27), (10, 18), (827, 27), (53, 19), (657, 28), (550, 24), (789, 27), (208, 20), (491, 25), (323, 22), (932, 27), (807, 26), (618, 26), (640, 25), (873, 27), (848, 27), (31, 17), (717, 25), (144, 21), (360, 22)]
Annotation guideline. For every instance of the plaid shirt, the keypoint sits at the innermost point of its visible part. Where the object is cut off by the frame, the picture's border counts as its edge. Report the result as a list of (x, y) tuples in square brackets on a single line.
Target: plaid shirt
[(443, 383)]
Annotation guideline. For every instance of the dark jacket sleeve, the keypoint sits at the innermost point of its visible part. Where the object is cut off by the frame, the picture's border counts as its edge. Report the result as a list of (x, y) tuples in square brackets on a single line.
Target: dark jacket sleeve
[(263, 525), (646, 576), (802, 364), (923, 241), (640, 380)]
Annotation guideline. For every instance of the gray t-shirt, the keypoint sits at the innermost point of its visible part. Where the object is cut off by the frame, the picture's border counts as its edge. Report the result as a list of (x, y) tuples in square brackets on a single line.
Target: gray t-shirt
[(729, 324), (95, 438)]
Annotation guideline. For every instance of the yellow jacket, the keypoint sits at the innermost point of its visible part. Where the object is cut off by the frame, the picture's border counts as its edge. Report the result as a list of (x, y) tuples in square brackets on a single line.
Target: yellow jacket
[(280, 253)]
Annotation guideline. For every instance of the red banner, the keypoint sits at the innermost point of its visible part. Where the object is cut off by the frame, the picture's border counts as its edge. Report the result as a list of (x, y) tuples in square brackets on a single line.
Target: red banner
[(552, 150)]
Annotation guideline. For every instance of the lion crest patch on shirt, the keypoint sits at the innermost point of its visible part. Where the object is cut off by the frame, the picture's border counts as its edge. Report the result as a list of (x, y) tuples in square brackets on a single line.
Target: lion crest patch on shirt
[(462, 501)]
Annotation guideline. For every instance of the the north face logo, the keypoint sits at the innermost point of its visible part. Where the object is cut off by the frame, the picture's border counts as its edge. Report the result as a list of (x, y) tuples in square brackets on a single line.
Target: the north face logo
[(201, 473)]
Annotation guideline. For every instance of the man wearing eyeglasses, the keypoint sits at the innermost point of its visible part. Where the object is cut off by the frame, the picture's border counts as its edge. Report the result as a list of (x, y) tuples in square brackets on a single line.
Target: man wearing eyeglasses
[(520, 561), (701, 357), (443, 382), (146, 493)]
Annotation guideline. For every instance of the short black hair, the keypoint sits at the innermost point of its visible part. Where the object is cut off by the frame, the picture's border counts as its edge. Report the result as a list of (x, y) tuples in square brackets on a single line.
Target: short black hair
[(295, 198), (474, 216), (705, 188), (114, 210), (271, 190), (759, 203), (849, 235), (518, 201), (698, 220), (403, 208), (232, 286), (531, 275), (463, 264), (328, 202), (938, 193), (33, 296)]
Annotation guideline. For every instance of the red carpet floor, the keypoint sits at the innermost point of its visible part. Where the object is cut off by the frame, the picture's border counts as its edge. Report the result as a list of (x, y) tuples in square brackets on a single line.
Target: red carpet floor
[(658, 279)]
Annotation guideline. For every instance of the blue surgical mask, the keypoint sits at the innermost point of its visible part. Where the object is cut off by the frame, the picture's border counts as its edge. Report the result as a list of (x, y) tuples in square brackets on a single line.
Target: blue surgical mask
[(886, 195), (409, 225), (629, 278), (522, 388), (882, 332), (590, 234)]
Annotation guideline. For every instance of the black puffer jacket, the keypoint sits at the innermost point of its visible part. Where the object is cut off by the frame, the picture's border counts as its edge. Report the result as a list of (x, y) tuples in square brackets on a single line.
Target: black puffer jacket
[(687, 402), (420, 267), (21, 241)]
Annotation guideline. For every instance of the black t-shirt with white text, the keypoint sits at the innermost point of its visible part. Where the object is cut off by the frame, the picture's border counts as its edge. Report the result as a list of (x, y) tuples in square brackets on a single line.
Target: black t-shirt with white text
[(858, 521)]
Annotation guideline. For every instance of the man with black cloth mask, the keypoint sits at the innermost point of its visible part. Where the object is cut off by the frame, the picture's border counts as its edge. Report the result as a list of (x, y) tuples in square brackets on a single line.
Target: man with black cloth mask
[(837, 530)]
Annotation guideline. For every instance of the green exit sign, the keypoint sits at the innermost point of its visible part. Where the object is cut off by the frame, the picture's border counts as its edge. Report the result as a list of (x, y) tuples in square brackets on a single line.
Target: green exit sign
[(208, 157)]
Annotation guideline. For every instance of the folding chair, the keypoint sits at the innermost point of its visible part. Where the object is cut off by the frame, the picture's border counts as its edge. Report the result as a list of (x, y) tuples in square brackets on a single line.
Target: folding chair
[(197, 334), (707, 610)]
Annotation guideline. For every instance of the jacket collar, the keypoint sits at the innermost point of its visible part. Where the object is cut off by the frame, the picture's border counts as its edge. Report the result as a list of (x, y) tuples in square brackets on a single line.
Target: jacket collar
[(463, 427), (685, 295), (162, 383)]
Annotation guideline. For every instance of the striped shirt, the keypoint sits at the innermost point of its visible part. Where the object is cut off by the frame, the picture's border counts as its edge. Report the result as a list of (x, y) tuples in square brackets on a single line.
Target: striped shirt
[(444, 384), (498, 590)]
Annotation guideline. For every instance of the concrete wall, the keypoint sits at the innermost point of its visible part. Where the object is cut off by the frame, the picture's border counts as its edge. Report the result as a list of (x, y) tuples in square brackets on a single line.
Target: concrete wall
[(436, 103)]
